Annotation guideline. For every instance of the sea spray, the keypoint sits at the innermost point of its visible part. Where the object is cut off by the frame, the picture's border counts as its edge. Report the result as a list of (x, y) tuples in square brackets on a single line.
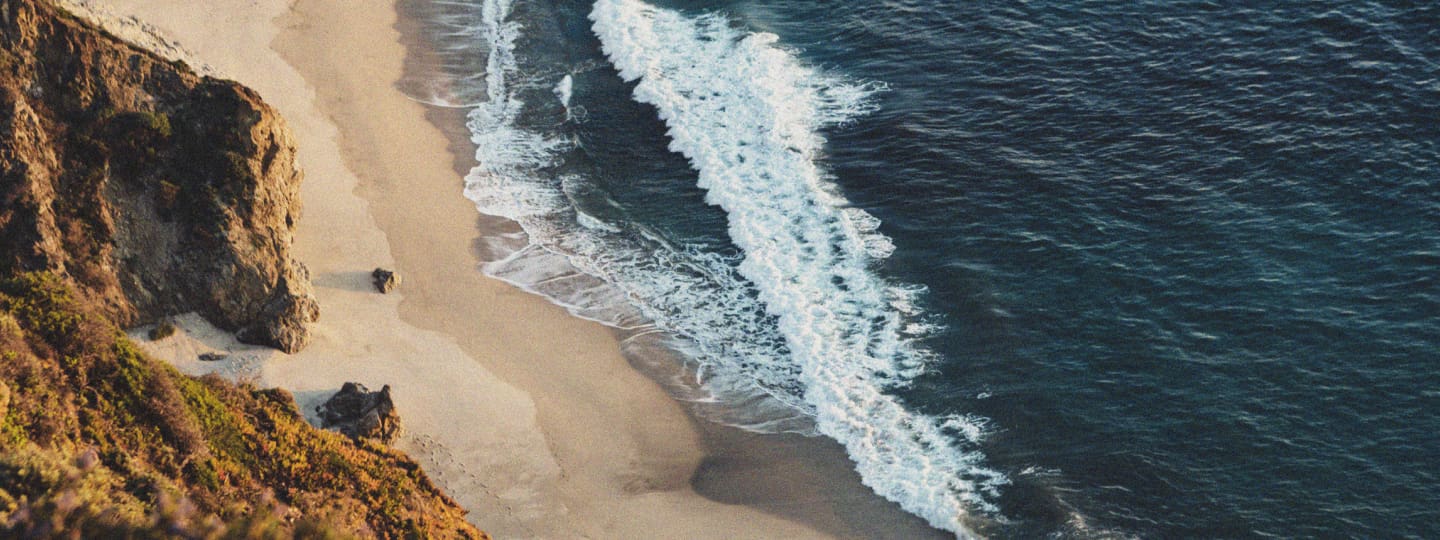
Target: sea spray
[(748, 115)]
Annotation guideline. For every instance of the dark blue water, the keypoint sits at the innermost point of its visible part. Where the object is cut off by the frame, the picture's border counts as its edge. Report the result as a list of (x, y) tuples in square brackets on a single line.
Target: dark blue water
[(1179, 259), (1190, 250)]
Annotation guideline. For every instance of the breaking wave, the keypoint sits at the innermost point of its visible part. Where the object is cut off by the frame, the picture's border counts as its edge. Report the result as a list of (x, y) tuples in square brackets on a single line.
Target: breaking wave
[(576, 248), (748, 116)]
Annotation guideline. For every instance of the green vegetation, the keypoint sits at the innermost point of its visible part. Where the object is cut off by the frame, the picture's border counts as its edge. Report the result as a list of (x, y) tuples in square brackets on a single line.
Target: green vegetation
[(138, 136), (104, 441), (154, 126)]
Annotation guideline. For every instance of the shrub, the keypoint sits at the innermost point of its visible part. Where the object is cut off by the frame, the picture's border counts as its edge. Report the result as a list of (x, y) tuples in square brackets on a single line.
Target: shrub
[(40, 302), (136, 140), (157, 124), (9, 327), (146, 126), (162, 330)]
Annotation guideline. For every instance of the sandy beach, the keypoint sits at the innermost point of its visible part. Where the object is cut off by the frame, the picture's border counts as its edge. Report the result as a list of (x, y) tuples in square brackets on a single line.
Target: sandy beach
[(530, 418)]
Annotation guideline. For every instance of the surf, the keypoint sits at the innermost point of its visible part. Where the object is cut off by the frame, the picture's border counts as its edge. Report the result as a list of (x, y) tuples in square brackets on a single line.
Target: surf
[(748, 116), (686, 317)]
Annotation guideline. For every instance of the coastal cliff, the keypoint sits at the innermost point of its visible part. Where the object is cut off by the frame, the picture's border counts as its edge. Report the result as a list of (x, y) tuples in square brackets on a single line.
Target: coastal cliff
[(132, 189), (99, 440), (157, 191)]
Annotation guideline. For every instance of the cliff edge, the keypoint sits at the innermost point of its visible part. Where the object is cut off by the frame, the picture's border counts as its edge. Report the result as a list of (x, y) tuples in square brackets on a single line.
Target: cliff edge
[(131, 189), (156, 190)]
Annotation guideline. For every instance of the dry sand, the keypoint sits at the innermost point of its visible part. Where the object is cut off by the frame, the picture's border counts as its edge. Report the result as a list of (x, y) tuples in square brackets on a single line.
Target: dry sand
[(530, 418)]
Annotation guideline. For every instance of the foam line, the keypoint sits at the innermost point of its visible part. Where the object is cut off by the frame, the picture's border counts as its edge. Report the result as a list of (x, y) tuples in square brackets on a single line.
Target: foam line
[(617, 273), (747, 114)]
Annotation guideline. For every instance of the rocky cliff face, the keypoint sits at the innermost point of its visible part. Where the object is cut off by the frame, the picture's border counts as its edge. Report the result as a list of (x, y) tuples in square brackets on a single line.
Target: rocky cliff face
[(130, 189), (156, 190)]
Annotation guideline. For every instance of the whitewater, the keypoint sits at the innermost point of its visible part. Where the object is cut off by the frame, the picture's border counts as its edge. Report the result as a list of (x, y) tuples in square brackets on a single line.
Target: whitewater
[(796, 334), (747, 114), (585, 257)]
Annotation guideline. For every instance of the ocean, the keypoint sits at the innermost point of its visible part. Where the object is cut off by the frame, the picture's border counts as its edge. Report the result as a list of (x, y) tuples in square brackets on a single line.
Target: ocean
[(1044, 269)]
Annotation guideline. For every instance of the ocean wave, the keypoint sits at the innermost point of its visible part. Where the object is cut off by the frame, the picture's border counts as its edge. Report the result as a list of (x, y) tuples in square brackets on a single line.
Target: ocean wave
[(577, 249), (748, 115)]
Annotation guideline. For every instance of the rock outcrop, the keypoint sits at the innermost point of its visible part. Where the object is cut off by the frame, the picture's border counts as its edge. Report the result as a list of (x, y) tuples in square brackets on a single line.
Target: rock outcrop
[(157, 190), (131, 189), (356, 412)]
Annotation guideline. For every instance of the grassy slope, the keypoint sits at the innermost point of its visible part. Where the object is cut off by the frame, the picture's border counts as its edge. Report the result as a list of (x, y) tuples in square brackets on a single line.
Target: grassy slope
[(99, 439)]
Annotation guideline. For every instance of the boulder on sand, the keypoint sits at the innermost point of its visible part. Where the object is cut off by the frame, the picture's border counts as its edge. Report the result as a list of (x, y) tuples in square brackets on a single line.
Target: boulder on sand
[(385, 280), (357, 412)]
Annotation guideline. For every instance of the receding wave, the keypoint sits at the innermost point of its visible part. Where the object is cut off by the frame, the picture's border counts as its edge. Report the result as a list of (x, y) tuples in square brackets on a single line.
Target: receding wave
[(689, 319), (747, 114)]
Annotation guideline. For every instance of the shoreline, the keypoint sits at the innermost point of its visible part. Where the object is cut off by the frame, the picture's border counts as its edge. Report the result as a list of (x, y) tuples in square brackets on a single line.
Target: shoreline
[(787, 475), (527, 416)]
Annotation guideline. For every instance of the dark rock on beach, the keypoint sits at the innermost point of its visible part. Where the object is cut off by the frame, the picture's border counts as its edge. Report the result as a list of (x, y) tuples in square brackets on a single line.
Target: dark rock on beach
[(385, 280), (357, 412)]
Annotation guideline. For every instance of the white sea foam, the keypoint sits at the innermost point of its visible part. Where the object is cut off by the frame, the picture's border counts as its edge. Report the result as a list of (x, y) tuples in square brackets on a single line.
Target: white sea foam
[(565, 89), (616, 273), (748, 115)]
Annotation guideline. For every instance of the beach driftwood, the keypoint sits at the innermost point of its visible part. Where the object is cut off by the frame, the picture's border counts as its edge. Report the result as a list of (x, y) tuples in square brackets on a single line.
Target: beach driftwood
[(357, 412)]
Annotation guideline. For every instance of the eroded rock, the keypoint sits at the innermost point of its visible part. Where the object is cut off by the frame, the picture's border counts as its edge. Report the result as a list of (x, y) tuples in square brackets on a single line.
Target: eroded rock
[(357, 412)]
